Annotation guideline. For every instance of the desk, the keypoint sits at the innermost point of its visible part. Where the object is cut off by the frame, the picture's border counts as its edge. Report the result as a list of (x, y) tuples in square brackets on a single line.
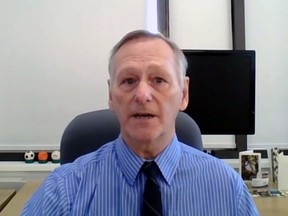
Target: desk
[(5, 197), (272, 206), (15, 206), (267, 206)]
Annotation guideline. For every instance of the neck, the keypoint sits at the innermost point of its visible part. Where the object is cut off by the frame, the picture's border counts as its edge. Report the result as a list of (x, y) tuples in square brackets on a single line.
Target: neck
[(148, 150)]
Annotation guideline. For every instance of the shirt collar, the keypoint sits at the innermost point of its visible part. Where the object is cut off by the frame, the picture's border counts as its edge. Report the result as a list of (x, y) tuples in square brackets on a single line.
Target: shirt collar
[(130, 163), (168, 160)]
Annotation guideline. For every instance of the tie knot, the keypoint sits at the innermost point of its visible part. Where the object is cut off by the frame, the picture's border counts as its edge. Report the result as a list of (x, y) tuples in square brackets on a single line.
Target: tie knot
[(150, 169)]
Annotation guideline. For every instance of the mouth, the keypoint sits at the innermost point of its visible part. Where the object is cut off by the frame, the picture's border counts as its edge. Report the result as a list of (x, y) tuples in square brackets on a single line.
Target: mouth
[(143, 115)]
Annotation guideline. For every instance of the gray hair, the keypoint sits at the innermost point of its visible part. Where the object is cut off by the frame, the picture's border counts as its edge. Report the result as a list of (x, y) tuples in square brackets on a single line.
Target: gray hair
[(139, 34)]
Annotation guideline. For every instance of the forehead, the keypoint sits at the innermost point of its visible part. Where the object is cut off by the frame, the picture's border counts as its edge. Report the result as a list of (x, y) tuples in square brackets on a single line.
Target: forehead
[(144, 48)]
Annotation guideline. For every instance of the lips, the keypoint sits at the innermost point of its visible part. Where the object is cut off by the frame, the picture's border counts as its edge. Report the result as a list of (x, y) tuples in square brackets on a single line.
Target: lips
[(143, 115)]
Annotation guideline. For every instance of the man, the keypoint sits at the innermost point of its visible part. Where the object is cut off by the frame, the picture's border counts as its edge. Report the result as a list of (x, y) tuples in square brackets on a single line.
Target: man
[(147, 88)]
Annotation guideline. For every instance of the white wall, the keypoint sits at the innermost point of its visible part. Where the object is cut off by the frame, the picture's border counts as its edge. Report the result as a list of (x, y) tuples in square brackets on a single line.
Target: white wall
[(53, 64), (53, 61), (267, 33), (206, 24), (202, 24)]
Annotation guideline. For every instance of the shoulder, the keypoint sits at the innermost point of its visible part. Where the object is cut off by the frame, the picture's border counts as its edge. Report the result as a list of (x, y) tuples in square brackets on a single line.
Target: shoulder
[(86, 162), (58, 190), (198, 160), (190, 153), (216, 173), (211, 177)]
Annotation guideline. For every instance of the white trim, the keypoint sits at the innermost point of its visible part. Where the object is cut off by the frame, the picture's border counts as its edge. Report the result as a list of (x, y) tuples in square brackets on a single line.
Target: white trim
[(151, 16), (220, 146), (267, 145), (27, 147), (250, 146), (51, 147), (12, 166)]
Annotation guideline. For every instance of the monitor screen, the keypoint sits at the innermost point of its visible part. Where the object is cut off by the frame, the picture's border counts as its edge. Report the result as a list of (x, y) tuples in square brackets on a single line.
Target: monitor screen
[(222, 90)]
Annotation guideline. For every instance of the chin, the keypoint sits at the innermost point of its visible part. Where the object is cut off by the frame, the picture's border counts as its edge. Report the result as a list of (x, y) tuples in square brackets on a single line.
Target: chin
[(145, 136)]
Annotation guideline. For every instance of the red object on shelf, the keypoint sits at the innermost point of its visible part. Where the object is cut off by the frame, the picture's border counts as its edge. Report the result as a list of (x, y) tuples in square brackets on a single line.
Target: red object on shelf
[(42, 157)]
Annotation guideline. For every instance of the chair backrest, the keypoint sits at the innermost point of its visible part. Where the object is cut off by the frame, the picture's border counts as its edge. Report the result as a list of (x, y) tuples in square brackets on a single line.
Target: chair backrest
[(88, 131)]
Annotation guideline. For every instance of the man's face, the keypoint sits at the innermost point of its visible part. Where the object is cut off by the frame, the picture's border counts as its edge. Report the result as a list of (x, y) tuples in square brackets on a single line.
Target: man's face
[(145, 91)]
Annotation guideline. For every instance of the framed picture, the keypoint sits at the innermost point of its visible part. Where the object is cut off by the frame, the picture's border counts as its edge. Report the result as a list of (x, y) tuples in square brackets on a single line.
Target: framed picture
[(275, 152), (250, 165), (274, 162)]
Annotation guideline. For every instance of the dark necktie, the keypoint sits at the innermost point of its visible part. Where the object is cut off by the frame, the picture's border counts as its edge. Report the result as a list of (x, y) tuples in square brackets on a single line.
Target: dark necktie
[(152, 204)]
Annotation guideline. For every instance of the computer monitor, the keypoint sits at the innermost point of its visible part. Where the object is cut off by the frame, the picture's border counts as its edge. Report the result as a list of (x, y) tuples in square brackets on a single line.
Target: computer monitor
[(222, 90)]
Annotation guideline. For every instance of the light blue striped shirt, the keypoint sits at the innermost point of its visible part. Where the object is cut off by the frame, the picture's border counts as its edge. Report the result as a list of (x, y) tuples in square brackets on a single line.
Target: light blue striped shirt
[(107, 182)]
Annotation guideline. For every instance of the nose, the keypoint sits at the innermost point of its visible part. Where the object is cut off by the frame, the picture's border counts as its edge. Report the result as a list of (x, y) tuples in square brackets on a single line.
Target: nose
[(143, 93)]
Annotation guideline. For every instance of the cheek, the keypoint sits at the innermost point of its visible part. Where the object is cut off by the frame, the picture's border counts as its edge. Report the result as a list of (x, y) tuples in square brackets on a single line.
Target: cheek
[(174, 98), (117, 100), (176, 104), (170, 104)]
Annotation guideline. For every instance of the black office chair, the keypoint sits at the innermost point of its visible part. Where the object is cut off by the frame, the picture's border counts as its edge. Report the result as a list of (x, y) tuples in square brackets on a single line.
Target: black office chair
[(88, 131)]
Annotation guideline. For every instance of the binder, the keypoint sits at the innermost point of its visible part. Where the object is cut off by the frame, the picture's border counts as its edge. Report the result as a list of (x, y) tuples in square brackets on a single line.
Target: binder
[(282, 171)]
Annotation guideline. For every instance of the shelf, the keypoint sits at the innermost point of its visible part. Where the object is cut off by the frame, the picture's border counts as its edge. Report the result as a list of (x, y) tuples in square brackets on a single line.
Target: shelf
[(19, 166)]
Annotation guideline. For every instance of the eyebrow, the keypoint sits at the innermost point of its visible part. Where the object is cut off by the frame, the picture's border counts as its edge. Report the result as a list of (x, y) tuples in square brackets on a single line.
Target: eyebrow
[(132, 69), (156, 67), (129, 69)]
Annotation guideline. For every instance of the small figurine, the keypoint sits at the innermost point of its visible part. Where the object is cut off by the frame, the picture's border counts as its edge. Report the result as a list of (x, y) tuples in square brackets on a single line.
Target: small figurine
[(29, 157), (42, 157), (55, 156)]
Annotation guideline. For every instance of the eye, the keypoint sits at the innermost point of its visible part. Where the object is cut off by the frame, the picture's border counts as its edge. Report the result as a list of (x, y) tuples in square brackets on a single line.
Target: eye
[(160, 83), (159, 80), (129, 81)]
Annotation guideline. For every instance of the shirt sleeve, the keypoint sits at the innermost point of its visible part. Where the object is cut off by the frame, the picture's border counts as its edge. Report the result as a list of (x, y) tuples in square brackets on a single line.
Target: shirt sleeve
[(49, 199), (246, 205)]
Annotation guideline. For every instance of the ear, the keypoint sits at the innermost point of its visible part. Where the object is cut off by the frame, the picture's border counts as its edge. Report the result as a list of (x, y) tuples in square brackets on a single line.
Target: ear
[(185, 95), (110, 104)]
